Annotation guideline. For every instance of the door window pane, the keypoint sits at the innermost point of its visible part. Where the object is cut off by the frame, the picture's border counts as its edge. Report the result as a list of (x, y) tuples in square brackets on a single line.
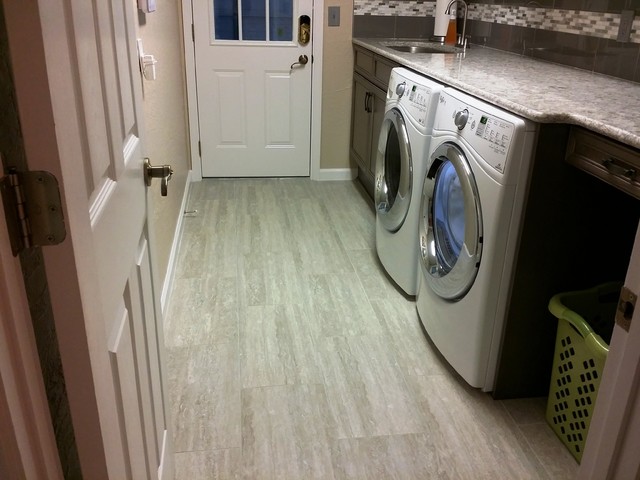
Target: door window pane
[(281, 20), (226, 19), (227, 15), (253, 20)]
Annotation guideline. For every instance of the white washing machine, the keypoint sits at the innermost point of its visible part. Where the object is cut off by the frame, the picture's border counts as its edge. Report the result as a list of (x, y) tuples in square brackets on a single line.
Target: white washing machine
[(403, 146), (470, 215)]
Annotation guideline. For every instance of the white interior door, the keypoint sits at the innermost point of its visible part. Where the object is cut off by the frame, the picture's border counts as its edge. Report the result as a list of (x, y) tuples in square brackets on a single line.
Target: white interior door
[(79, 91), (254, 101)]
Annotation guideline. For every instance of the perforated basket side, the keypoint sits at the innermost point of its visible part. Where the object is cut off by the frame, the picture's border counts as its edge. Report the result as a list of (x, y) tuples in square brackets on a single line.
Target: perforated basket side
[(574, 386)]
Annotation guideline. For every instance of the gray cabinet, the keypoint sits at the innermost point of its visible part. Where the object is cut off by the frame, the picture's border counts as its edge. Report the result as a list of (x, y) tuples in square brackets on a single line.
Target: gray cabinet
[(370, 82)]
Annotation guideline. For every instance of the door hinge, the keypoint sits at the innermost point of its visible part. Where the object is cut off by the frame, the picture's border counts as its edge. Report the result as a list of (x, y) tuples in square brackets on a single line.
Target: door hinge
[(32, 208), (199, 148), (626, 306), (193, 33)]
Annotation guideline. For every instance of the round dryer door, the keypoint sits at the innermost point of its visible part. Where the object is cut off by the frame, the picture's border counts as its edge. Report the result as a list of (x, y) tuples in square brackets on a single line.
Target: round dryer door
[(394, 172), (451, 224)]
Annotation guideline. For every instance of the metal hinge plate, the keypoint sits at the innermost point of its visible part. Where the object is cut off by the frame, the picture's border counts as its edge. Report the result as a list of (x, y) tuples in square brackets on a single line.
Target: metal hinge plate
[(626, 306), (32, 209)]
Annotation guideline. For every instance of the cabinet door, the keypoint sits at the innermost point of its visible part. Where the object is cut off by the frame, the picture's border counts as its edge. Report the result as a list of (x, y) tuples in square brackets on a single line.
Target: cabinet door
[(378, 105), (360, 124)]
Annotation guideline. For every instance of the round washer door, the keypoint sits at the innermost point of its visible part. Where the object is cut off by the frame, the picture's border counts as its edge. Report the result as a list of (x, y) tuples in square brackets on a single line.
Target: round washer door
[(394, 172), (451, 224)]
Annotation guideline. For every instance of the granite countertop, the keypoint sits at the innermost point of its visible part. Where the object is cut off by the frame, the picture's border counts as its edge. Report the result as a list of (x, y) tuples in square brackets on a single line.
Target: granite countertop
[(540, 91)]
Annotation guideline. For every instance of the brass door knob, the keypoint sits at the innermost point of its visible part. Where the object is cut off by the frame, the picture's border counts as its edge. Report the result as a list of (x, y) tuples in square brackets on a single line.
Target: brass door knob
[(302, 61), (163, 172)]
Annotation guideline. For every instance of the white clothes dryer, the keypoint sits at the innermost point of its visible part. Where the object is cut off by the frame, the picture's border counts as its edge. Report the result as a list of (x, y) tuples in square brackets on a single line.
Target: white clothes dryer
[(472, 202), (401, 160)]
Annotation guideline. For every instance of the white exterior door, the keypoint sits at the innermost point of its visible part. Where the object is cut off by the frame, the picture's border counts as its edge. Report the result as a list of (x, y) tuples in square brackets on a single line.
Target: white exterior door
[(254, 101), (79, 93)]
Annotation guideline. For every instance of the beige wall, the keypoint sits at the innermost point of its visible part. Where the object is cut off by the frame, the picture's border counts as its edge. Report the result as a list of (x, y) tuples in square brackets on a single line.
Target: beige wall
[(337, 77), (166, 121)]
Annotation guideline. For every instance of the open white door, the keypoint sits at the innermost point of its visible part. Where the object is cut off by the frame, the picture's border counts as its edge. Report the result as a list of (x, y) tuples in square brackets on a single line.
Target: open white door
[(253, 70), (78, 89), (27, 447), (613, 443)]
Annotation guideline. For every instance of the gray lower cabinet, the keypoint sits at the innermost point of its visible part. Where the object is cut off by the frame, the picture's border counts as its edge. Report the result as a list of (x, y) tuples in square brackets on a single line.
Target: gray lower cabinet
[(367, 116), (370, 81)]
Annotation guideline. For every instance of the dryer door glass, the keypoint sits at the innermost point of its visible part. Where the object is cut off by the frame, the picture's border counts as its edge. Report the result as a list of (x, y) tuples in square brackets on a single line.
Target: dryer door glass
[(394, 172), (451, 224), (448, 216)]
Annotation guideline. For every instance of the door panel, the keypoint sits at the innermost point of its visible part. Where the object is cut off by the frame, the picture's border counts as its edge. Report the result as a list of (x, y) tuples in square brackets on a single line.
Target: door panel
[(231, 114), (254, 108), (379, 102), (361, 126), (124, 378), (278, 107)]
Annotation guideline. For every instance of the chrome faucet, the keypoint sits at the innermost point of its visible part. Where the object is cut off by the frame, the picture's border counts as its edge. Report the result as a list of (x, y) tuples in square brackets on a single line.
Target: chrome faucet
[(462, 39)]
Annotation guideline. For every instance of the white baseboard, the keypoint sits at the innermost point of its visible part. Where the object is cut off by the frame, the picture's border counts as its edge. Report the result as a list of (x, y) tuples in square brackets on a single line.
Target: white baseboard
[(175, 247), (329, 174)]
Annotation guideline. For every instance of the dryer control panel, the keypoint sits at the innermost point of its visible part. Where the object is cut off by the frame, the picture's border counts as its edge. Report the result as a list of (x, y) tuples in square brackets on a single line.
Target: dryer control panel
[(489, 134)]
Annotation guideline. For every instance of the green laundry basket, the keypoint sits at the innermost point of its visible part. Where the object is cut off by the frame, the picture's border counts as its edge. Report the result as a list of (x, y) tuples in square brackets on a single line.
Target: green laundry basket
[(585, 325)]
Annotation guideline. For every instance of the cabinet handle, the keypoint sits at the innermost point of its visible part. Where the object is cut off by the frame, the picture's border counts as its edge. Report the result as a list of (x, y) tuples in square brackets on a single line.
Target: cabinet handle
[(370, 102), (611, 165), (366, 102)]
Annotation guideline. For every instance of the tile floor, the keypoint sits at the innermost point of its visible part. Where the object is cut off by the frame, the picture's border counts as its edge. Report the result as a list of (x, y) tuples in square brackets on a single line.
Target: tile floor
[(291, 355)]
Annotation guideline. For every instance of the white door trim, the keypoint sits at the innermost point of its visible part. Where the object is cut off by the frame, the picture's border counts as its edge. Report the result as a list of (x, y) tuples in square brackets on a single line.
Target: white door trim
[(193, 126), (192, 91), (612, 445), (28, 445), (316, 87)]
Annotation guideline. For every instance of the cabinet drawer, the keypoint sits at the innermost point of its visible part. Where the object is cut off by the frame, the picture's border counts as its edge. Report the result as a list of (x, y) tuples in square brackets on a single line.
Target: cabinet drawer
[(364, 61), (383, 72), (616, 164), (373, 67)]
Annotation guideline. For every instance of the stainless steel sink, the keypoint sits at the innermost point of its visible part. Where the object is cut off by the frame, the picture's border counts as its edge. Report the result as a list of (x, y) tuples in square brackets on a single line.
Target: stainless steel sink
[(422, 48)]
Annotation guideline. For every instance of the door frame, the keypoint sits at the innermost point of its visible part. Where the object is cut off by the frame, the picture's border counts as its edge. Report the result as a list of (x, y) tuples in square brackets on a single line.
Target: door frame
[(611, 450), (28, 448), (192, 91)]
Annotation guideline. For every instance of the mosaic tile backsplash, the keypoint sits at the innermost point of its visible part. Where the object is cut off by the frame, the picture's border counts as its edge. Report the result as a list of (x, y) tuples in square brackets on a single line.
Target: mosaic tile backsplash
[(596, 24), (553, 30)]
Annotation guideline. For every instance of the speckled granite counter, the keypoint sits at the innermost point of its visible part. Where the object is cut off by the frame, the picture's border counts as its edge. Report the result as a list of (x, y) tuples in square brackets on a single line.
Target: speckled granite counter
[(537, 90)]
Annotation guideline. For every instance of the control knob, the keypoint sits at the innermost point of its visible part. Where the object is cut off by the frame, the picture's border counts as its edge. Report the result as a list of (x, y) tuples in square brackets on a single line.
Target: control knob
[(401, 88), (461, 118)]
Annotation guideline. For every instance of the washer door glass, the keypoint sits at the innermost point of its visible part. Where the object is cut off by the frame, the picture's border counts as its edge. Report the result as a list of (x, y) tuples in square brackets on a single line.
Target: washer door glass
[(451, 224), (394, 172)]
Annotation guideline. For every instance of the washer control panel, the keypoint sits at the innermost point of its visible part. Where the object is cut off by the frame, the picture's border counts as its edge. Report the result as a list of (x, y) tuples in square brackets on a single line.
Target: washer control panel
[(417, 102), (416, 95), (490, 135)]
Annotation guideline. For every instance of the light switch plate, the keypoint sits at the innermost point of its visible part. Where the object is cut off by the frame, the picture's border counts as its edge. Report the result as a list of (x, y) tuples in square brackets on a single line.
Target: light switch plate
[(334, 17), (147, 6)]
